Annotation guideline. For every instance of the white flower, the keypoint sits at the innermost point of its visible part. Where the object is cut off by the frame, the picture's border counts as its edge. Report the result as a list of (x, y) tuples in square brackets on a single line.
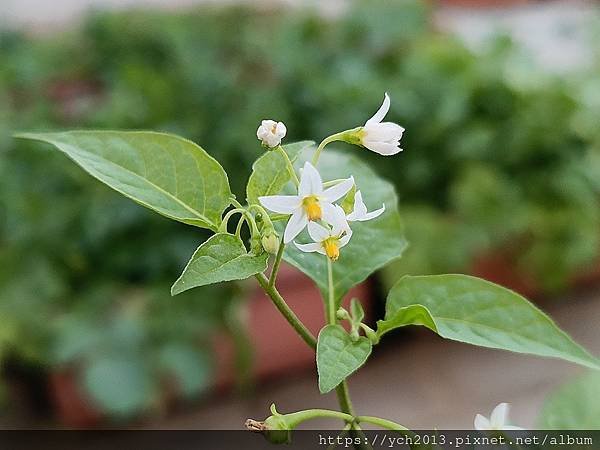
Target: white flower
[(271, 133), (328, 241), (497, 420), (360, 213), (312, 202), (382, 137)]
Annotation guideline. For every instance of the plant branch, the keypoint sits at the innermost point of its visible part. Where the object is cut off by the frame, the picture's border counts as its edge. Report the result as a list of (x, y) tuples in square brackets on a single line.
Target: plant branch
[(284, 309), (276, 264), (331, 318), (289, 165)]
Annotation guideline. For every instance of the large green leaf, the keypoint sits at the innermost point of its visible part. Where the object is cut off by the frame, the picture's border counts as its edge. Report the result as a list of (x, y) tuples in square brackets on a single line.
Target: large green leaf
[(575, 406), (373, 244), (166, 173), (475, 311), (118, 385), (190, 366), (338, 356), (269, 172), (222, 257)]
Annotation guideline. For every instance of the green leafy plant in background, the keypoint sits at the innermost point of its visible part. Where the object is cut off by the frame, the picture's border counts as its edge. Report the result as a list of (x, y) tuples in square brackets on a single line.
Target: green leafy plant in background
[(293, 189), (507, 156)]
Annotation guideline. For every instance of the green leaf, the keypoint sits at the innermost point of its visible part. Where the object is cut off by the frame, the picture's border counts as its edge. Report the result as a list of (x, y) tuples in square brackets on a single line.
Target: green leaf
[(222, 257), (356, 310), (475, 311), (269, 172), (574, 406), (166, 173), (118, 385), (374, 243), (338, 356), (191, 367)]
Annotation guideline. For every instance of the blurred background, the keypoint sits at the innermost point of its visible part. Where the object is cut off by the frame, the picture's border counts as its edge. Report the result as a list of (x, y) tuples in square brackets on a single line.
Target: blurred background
[(500, 178)]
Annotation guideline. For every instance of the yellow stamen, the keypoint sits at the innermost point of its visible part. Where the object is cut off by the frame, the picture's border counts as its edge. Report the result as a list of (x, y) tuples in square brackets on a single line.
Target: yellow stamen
[(332, 248), (312, 208)]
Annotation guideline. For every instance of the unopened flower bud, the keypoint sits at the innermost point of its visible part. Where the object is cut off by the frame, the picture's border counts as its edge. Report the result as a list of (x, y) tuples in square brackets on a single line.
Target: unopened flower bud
[(270, 242), (270, 133)]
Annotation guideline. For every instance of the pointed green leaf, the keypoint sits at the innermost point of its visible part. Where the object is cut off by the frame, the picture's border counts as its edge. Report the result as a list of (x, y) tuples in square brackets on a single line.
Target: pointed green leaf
[(222, 257), (338, 356), (574, 406), (269, 172), (166, 173), (374, 243), (475, 311)]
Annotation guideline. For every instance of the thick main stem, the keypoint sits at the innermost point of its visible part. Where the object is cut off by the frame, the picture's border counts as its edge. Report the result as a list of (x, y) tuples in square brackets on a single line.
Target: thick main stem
[(284, 309)]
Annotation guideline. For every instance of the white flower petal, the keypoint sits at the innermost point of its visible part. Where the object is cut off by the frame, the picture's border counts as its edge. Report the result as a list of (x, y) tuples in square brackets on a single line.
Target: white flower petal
[(360, 209), (308, 248), (310, 181), (282, 204), (328, 211), (371, 215), (318, 233), (499, 416), (381, 112), (271, 132), (280, 130), (339, 190), (345, 239), (295, 225), (512, 427), (383, 148), (339, 224), (481, 423), (384, 132)]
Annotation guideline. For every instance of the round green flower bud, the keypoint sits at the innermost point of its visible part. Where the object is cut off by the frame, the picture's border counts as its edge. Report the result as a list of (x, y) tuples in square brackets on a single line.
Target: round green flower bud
[(270, 242)]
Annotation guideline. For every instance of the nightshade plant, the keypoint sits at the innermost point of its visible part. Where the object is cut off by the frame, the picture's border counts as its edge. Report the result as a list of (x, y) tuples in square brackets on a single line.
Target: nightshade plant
[(321, 202)]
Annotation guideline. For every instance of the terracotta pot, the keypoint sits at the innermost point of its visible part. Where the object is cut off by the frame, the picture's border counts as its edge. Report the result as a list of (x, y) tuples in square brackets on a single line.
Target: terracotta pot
[(278, 349), (500, 268), (72, 407)]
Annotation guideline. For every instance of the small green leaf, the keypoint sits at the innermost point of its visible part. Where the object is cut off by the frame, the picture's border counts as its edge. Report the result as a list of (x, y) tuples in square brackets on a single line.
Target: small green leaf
[(269, 172), (374, 243), (222, 257), (357, 311), (575, 406), (166, 173), (348, 202), (338, 356), (475, 311)]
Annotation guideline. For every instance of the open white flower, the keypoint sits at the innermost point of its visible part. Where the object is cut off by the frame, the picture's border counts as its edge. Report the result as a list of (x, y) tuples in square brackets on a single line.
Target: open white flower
[(359, 213), (271, 133), (312, 202), (497, 421), (381, 137), (328, 241)]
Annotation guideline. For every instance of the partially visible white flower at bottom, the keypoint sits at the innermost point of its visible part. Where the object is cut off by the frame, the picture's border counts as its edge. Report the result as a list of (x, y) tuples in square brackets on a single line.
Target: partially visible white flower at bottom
[(359, 213), (328, 241), (497, 421)]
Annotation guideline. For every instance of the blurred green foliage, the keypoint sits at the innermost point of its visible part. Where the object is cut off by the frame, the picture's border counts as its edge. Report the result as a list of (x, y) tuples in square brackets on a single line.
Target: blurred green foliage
[(498, 155)]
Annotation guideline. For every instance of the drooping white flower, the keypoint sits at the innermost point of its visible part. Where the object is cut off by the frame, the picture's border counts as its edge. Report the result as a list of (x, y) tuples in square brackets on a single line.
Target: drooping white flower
[(328, 241), (312, 202), (497, 421), (359, 213), (381, 137), (271, 133)]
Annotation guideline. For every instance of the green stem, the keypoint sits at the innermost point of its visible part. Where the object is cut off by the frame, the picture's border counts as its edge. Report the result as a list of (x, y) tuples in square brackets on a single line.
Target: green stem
[(225, 221), (289, 164), (276, 264), (383, 423), (284, 309), (327, 140), (331, 319), (235, 203)]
